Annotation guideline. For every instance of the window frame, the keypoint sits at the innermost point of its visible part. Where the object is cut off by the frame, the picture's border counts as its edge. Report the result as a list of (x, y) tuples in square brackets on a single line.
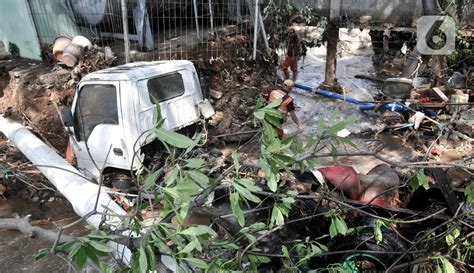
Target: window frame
[(152, 98), (79, 127)]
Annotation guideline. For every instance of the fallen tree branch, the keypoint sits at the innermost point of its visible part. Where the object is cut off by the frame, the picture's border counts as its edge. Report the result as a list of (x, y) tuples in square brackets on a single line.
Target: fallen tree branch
[(24, 226)]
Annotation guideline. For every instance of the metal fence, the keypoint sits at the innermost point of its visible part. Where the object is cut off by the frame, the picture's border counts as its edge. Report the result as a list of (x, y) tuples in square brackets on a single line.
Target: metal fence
[(157, 29)]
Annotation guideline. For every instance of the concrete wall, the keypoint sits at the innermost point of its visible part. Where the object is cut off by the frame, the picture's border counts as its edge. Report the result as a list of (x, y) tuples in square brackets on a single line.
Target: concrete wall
[(17, 27)]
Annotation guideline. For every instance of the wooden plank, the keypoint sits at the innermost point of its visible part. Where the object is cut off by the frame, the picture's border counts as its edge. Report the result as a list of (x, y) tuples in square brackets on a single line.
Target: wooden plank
[(440, 94)]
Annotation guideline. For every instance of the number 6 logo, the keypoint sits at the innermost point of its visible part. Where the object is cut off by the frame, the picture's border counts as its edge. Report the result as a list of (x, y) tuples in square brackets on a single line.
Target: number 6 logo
[(435, 35)]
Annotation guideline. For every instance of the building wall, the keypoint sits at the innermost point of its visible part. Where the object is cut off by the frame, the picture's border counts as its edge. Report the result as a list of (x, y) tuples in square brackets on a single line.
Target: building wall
[(18, 28), (53, 20)]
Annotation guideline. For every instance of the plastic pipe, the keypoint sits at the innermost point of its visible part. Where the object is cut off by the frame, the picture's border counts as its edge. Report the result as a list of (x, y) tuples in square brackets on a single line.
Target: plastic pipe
[(363, 106), (328, 94), (80, 192)]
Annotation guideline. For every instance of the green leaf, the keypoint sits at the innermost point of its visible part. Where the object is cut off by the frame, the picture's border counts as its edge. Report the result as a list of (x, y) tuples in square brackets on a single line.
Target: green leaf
[(143, 261), (200, 178), (81, 256), (158, 118), (246, 193), (171, 176), (272, 182), (249, 184), (263, 259), (333, 228), (173, 193), (340, 125), (235, 159), (187, 188), (194, 163), (199, 230), (274, 104), (151, 179), (420, 179), (259, 102), (151, 256), (341, 226), (194, 262), (41, 253), (345, 140), (273, 113), (447, 266), (453, 235), (259, 114), (173, 138), (188, 248), (285, 251), (66, 246), (235, 206), (274, 121), (378, 234), (100, 247), (93, 253), (277, 216)]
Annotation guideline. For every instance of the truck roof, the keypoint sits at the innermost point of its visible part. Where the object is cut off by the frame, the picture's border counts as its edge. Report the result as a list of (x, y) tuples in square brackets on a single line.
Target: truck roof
[(136, 71)]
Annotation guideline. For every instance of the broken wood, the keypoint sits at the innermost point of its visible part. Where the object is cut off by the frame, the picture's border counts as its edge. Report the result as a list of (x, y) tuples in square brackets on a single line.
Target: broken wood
[(440, 94)]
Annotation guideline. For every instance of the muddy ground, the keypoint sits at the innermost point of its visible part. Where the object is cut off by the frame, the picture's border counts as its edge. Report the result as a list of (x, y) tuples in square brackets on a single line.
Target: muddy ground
[(32, 93)]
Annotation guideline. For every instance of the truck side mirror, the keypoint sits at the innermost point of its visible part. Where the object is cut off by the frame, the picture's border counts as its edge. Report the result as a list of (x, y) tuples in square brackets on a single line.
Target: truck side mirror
[(66, 117)]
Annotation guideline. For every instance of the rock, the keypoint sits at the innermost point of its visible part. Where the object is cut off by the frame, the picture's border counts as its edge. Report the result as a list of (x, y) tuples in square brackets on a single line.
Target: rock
[(57, 78), (216, 118), (215, 94), (457, 176), (225, 124), (465, 124), (215, 152)]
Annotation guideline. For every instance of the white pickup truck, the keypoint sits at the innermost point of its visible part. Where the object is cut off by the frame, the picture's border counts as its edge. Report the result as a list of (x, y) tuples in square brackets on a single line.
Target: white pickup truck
[(112, 114)]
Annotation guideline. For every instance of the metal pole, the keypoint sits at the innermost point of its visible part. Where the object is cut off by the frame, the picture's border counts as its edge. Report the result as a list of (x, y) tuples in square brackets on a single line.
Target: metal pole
[(212, 16), (255, 31), (196, 17), (125, 31)]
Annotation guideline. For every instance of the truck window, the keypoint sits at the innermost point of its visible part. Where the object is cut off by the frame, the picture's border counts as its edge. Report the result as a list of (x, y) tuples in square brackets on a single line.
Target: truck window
[(165, 87), (96, 104)]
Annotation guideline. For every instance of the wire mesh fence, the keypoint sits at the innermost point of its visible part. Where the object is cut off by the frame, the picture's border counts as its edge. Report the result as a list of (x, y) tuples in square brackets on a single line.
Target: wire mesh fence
[(157, 29)]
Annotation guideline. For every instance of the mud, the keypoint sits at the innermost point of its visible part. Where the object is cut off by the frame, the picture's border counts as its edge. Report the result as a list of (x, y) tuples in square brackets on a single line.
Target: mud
[(18, 250), (28, 99)]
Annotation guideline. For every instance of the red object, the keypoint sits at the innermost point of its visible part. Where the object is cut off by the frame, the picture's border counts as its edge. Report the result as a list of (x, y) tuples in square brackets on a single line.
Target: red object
[(425, 100), (377, 186), (372, 188), (69, 153), (344, 178), (437, 150)]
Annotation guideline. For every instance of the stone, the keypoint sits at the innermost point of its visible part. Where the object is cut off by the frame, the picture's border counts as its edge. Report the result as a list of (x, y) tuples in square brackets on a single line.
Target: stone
[(57, 78), (215, 94)]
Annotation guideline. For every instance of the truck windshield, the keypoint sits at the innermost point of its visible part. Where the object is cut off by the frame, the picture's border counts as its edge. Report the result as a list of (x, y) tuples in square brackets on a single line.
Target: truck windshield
[(165, 87), (96, 104)]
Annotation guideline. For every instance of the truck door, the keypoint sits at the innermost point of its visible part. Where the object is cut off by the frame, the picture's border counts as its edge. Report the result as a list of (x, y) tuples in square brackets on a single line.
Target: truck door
[(177, 95), (99, 127)]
